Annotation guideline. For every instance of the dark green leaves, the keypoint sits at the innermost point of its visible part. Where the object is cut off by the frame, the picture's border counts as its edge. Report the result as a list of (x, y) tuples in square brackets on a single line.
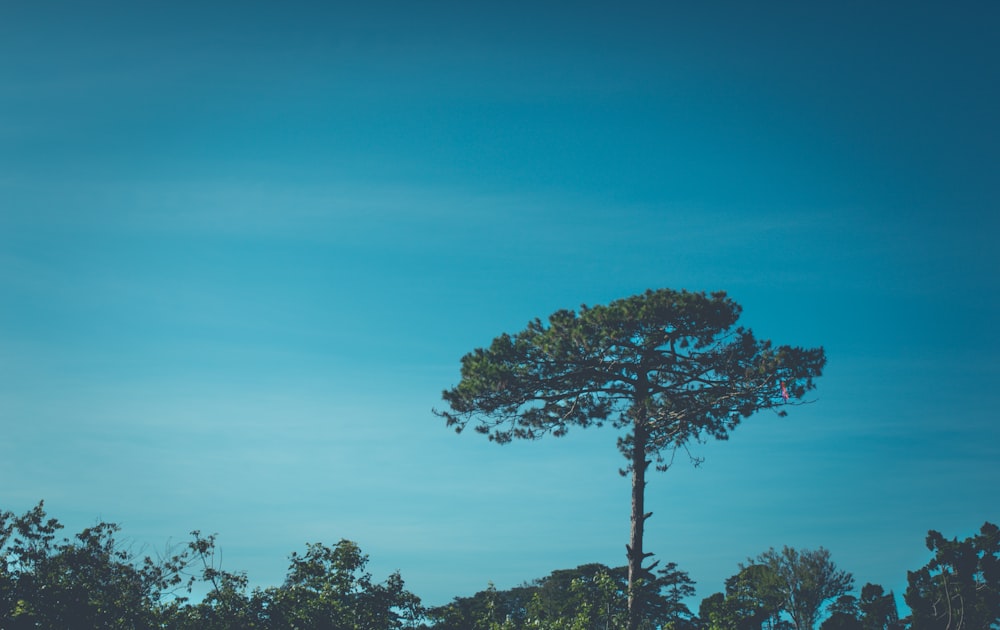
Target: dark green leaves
[(960, 586), (673, 360), (589, 596), (94, 581)]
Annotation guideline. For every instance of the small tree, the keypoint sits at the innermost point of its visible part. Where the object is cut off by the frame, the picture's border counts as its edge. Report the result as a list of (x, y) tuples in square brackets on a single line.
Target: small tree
[(752, 601), (328, 587), (666, 367), (805, 582)]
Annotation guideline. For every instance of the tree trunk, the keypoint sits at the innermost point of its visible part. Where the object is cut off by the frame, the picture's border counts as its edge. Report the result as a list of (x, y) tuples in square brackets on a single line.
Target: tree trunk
[(635, 554)]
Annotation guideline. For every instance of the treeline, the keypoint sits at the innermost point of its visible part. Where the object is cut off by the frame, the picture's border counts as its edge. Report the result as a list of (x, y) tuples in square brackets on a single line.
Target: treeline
[(93, 580), (787, 589)]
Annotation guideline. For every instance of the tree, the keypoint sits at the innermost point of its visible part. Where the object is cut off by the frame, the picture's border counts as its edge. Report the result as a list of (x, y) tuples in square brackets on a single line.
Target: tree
[(878, 609), (226, 605), (589, 597), (665, 607), (960, 587), (844, 615), (328, 587), (752, 601), (89, 581), (806, 580), (595, 596), (666, 367)]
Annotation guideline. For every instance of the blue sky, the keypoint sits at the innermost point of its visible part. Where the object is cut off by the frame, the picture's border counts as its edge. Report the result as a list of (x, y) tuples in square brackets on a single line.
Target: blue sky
[(243, 248)]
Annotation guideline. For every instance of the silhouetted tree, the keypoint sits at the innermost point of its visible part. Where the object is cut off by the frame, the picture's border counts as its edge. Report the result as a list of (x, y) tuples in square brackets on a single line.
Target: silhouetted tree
[(844, 615), (226, 605), (328, 588), (959, 588), (752, 601), (93, 581), (878, 609), (667, 367), (89, 581)]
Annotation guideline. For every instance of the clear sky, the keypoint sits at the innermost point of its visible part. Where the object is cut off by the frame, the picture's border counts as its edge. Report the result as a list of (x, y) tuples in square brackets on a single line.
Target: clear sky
[(243, 246)]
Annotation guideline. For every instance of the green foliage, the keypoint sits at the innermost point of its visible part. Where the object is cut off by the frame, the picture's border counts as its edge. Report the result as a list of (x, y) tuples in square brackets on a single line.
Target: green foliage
[(329, 588), (762, 592), (752, 601), (92, 581), (798, 583), (672, 359), (839, 620), (591, 596), (960, 587), (227, 604), (844, 614), (878, 609), (485, 609)]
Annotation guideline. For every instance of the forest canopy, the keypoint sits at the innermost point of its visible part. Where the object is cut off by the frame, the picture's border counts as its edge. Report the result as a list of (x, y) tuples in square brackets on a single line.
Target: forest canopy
[(93, 580)]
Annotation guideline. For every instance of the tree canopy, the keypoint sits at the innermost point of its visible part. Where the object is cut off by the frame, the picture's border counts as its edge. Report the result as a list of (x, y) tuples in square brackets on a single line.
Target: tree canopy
[(588, 597), (752, 601), (93, 580), (960, 587), (672, 359), (802, 581)]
